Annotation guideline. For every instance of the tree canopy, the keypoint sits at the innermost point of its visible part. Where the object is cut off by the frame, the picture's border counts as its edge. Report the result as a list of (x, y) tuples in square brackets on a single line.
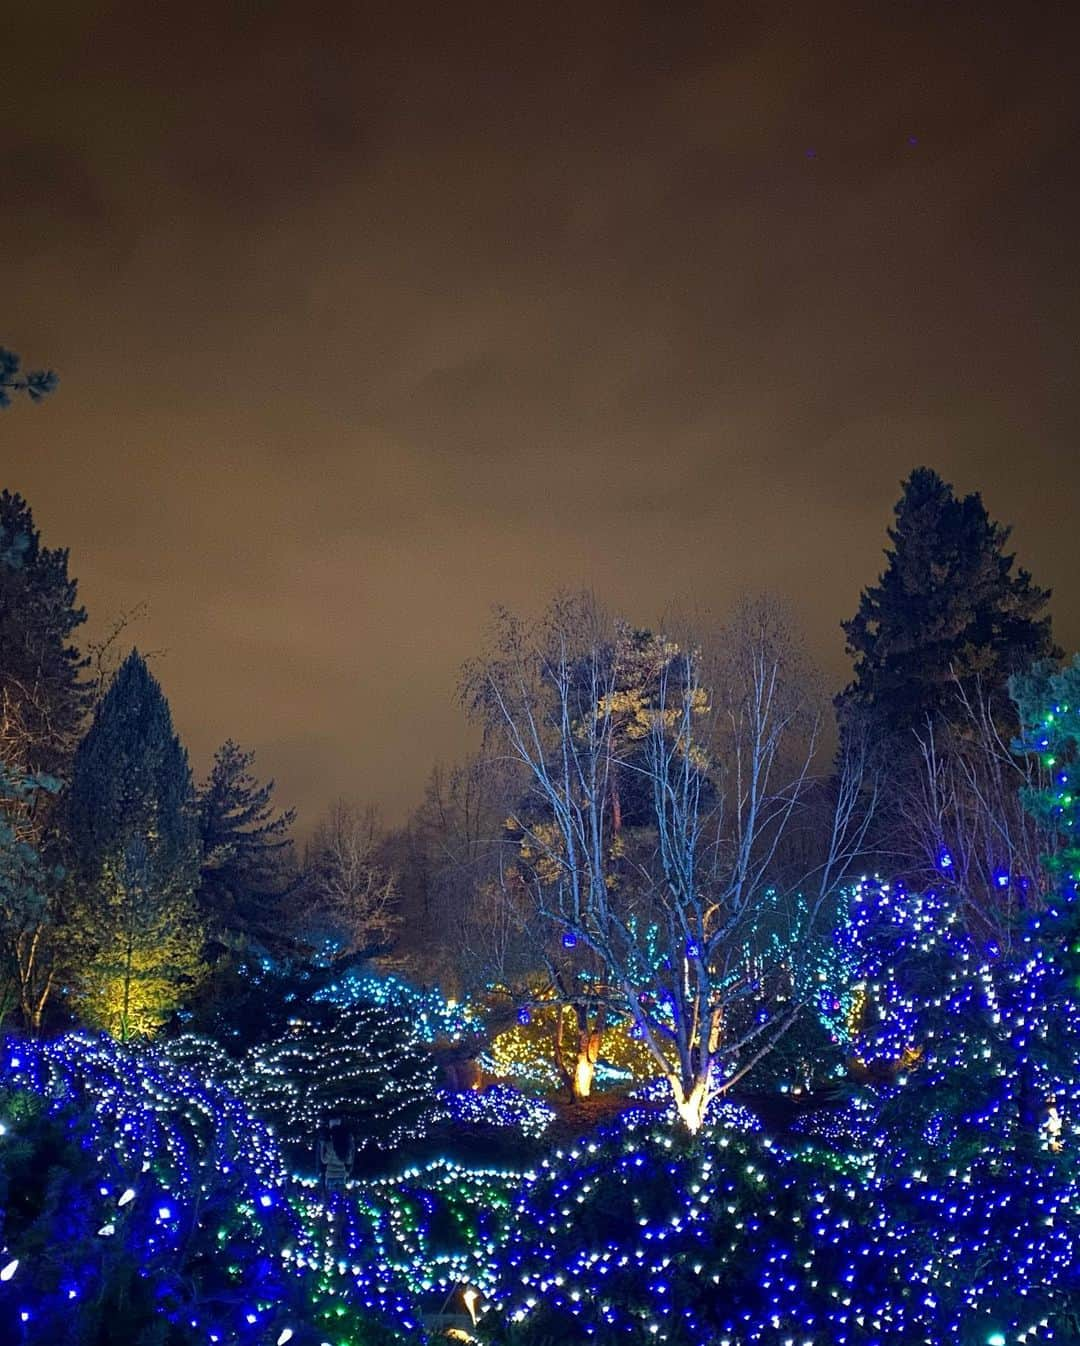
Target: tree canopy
[(950, 606)]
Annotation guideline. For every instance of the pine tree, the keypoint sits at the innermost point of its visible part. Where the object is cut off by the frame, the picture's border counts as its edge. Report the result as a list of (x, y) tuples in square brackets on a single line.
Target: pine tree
[(949, 606), (35, 383), (132, 829), (246, 870), (43, 698)]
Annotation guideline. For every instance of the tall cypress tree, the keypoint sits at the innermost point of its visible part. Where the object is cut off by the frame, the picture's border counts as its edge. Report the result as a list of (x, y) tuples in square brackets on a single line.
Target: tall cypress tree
[(43, 698), (949, 605), (246, 848), (135, 855)]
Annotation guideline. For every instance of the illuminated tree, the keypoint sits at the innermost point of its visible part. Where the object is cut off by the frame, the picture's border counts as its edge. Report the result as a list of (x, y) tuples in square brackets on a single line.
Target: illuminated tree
[(538, 1050), (131, 823), (961, 809), (147, 948), (677, 911), (43, 702), (1048, 700)]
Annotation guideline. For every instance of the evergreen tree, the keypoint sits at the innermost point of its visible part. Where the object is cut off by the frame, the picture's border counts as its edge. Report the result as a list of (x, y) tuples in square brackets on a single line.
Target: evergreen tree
[(132, 830), (131, 777), (43, 698), (35, 383), (949, 606), (247, 852)]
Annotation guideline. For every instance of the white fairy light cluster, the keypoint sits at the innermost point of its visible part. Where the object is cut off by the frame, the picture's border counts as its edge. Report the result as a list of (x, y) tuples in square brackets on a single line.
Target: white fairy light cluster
[(496, 1106), (367, 1068)]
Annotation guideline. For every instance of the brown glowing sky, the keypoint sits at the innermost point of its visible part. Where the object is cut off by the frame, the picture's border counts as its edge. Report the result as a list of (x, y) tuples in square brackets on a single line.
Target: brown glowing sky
[(368, 318)]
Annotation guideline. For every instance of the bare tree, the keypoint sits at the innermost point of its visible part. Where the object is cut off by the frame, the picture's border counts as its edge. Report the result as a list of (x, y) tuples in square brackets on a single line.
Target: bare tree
[(476, 922), (105, 655), (453, 850), (681, 910), (350, 891), (966, 818)]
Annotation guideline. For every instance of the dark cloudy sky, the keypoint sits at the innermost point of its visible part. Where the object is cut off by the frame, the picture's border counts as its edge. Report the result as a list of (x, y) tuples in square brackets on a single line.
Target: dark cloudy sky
[(368, 317)]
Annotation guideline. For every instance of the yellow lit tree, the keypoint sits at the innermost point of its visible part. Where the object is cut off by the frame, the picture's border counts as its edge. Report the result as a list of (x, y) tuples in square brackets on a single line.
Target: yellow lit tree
[(130, 814), (544, 1047), (147, 950)]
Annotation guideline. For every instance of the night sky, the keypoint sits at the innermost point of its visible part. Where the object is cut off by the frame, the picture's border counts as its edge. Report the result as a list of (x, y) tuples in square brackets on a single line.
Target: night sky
[(367, 318)]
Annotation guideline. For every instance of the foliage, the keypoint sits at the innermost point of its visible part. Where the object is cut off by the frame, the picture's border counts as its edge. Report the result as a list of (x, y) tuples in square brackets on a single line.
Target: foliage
[(147, 951), (949, 605), (27, 892), (666, 914), (35, 383), (415, 1240), (131, 824), (140, 1202), (43, 698), (634, 1237), (247, 872), (526, 1053), (431, 1016), (366, 1066), (638, 1237), (498, 1107)]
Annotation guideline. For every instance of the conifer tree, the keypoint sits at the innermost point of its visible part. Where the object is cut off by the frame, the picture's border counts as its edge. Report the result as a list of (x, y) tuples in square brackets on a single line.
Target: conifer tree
[(35, 383), (246, 851), (949, 608), (43, 698), (135, 854)]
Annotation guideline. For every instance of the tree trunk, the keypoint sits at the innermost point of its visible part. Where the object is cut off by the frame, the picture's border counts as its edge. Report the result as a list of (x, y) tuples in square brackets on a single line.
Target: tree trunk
[(579, 1077), (691, 1102), (34, 988)]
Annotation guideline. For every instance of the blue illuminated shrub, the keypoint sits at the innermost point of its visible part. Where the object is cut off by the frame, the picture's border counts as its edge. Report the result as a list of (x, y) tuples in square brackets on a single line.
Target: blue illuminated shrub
[(140, 1202)]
